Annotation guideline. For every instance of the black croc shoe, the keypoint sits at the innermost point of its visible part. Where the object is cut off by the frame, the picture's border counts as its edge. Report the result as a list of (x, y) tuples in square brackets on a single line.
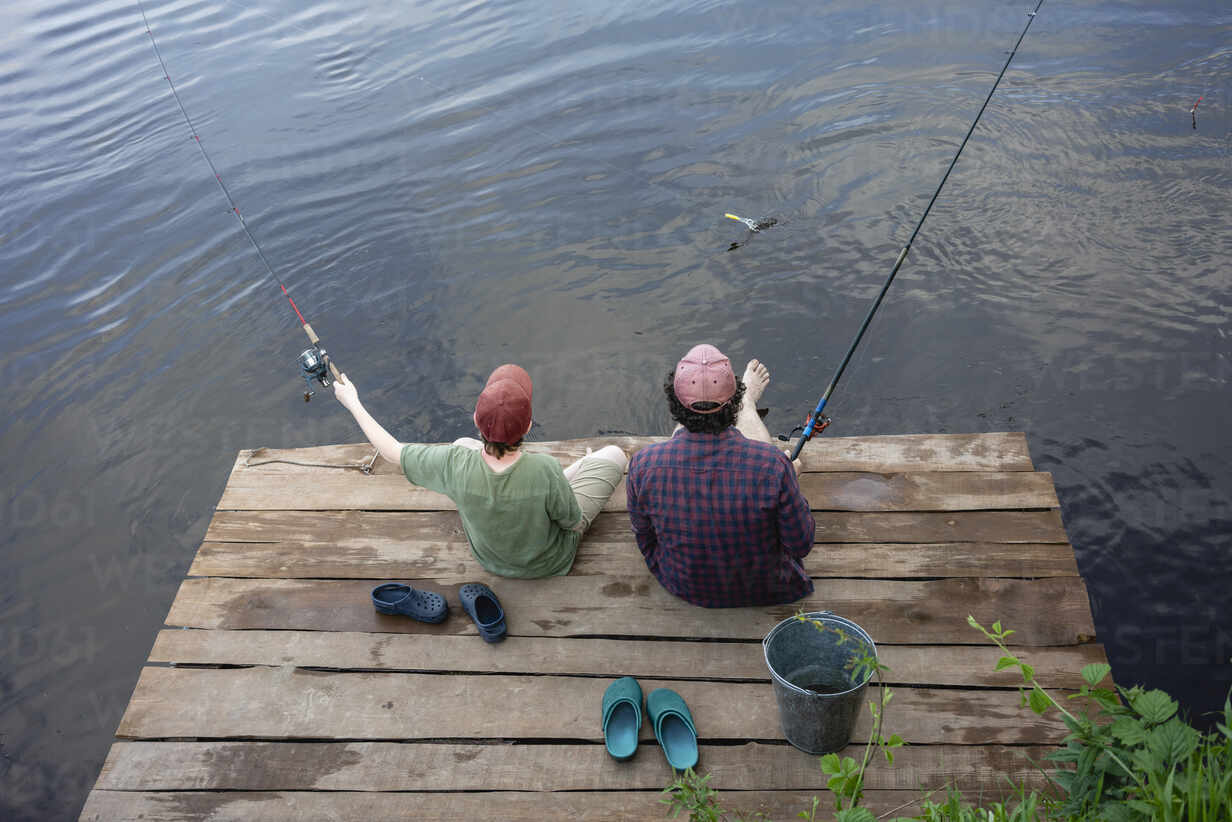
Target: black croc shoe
[(397, 598), (485, 609)]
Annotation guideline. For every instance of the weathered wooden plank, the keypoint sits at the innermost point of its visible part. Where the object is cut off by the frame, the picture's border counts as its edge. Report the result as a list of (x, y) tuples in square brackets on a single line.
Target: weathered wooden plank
[(391, 766), (109, 806), (292, 703), (949, 526), (434, 527), (967, 665), (1002, 451), (1052, 611), (297, 488), (417, 559), (934, 491), (1006, 451)]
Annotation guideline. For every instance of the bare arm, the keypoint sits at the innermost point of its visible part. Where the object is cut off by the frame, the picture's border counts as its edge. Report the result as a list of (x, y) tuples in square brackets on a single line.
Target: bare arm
[(382, 440)]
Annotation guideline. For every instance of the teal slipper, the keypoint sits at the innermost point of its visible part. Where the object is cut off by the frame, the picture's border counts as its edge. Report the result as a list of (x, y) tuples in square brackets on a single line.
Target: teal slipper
[(673, 727), (622, 717)]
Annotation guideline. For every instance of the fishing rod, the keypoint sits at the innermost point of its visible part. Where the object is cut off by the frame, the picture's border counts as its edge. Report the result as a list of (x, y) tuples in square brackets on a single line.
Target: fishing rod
[(816, 422), (314, 362)]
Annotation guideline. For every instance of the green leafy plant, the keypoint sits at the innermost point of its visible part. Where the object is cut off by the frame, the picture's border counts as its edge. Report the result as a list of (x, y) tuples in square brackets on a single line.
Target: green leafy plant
[(846, 777), (1029, 807), (692, 793), (1128, 756)]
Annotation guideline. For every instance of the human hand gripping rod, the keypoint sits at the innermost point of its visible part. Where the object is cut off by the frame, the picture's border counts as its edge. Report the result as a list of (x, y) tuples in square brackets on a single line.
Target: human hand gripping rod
[(816, 422)]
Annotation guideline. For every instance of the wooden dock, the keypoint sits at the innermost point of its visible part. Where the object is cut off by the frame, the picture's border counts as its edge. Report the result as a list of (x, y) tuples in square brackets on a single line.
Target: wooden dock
[(276, 692)]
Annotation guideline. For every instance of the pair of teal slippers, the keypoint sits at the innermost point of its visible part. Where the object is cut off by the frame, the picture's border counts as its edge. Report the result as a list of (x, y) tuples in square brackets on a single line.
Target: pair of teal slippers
[(669, 715)]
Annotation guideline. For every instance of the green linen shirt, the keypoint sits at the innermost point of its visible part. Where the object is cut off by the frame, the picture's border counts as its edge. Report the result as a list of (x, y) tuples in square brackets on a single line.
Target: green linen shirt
[(520, 522)]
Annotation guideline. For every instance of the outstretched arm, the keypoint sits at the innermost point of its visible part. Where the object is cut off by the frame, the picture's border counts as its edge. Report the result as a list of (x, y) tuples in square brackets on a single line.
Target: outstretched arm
[(390, 448)]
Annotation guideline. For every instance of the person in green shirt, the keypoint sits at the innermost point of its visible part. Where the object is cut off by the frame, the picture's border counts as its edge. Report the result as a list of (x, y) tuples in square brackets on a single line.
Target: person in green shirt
[(523, 514)]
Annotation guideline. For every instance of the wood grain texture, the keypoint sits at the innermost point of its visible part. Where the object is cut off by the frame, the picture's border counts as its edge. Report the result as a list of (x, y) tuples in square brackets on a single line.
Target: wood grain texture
[(120, 806), (1005, 451), (391, 766), (948, 526), (965, 665), (363, 528), (296, 488), (1043, 612), (444, 561), (290, 703)]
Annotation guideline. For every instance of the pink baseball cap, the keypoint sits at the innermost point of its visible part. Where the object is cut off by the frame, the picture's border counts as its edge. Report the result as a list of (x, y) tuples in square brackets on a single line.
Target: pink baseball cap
[(704, 375), (502, 412)]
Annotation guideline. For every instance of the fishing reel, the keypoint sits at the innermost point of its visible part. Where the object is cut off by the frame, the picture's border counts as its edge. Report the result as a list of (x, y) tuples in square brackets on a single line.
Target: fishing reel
[(822, 423), (314, 365)]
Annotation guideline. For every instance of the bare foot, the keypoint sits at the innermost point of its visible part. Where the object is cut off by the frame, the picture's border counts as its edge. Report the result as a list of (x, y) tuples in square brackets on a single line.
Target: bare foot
[(756, 378)]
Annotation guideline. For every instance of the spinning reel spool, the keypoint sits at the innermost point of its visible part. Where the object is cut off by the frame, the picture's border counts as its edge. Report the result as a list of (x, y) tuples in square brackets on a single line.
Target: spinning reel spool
[(314, 365)]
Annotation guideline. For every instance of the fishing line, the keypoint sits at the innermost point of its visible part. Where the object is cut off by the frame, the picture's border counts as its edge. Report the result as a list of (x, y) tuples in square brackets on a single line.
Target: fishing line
[(816, 422), (553, 140), (314, 362)]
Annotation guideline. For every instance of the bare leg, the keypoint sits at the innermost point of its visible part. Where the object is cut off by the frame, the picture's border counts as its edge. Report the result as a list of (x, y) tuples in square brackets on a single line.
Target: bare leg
[(756, 378)]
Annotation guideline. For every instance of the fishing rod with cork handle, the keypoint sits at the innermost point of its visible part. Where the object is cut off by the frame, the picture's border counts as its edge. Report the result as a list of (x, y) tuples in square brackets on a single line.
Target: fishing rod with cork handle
[(817, 421), (314, 362)]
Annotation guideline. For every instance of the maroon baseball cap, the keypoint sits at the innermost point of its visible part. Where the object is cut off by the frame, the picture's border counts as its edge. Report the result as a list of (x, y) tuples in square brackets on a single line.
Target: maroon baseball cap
[(509, 371), (704, 375), (503, 410)]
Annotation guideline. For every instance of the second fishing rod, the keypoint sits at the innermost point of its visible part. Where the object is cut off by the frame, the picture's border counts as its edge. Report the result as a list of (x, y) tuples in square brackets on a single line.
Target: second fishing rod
[(817, 421)]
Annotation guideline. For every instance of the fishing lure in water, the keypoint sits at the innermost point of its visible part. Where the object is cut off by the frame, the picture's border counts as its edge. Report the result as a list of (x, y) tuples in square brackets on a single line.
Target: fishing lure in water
[(754, 225)]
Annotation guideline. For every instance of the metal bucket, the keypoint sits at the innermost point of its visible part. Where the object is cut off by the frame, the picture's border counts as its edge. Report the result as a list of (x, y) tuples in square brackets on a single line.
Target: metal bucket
[(817, 680)]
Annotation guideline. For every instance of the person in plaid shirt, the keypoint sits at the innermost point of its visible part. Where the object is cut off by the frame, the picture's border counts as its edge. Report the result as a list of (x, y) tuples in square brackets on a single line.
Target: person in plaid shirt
[(716, 509)]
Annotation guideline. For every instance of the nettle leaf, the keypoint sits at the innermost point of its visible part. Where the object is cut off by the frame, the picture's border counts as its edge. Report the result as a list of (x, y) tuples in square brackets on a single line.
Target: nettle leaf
[(1062, 757), (1106, 699), (1116, 812), (855, 815), (1005, 662), (1144, 760), (1173, 741), (1095, 672), (829, 764), (1039, 701), (1028, 672), (1129, 730), (1154, 706)]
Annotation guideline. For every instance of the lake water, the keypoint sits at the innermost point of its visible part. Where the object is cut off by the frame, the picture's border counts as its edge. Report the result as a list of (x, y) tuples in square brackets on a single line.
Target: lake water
[(448, 186)]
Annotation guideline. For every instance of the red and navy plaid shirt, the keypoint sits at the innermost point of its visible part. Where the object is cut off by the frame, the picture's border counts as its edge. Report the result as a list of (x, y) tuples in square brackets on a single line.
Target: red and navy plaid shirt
[(720, 519)]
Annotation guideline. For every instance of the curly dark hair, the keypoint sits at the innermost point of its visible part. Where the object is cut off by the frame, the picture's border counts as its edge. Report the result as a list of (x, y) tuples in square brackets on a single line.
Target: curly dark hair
[(499, 449), (713, 423)]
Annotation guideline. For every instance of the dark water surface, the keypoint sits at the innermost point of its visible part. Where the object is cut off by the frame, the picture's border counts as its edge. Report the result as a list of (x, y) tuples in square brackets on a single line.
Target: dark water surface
[(446, 186)]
